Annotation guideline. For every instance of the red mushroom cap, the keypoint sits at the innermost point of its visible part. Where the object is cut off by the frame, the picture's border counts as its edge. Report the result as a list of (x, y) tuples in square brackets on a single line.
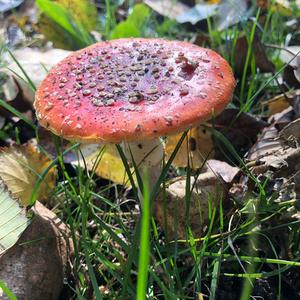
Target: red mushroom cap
[(133, 89)]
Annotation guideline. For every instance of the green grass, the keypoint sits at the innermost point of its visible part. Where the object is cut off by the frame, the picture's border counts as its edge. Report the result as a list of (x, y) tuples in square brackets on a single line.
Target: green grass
[(122, 252), (144, 249)]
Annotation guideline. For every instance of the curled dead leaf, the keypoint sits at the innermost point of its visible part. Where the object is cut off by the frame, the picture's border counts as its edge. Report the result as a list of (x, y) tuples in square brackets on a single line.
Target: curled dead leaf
[(21, 167)]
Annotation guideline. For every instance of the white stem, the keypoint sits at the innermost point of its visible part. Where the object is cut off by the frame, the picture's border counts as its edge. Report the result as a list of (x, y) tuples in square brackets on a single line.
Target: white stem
[(147, 156)]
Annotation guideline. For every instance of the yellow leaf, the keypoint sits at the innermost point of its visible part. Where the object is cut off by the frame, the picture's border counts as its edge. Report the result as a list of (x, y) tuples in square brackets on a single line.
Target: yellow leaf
[(109, 165), (197, 147), (21, 166)]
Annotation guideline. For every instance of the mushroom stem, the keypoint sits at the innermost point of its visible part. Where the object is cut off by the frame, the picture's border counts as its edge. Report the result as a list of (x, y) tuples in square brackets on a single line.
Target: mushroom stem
[(148, 156)]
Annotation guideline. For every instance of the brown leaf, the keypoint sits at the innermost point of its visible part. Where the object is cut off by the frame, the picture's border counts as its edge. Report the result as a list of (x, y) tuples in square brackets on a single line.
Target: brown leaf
[(281, 102), (290, 78), (296, 103), (269, 151), (261, 59), (241, 131), (268, 143), (291, 56), (290, 134), (277, 104), (36, 266), (282, 118)]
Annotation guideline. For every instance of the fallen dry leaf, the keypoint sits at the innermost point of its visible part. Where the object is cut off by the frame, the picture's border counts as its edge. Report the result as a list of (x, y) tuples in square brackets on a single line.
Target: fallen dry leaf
[(13, 219), (222, 169), (290, 134), (272, 155), (171, 209), (109, 164), (231, 12), (240, 129), (261, 59), (268, 142), (291, 56), (21, 166), (196, 148), (36, 267), (198, 13), (296, 103), (167, 8), (35, 63), (10, 88), (14, 96), (277, 104), (225, 12)]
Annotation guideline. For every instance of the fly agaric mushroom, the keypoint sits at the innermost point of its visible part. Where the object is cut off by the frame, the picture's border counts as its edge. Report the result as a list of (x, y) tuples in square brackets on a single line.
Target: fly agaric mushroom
[(133, 91)]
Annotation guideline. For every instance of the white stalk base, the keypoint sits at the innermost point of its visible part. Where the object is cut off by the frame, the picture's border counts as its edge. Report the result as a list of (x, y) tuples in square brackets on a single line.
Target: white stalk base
[(148, 156)]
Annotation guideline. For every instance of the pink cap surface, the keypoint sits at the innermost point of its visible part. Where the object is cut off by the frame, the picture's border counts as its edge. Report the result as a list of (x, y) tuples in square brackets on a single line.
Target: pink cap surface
[(133, 89)]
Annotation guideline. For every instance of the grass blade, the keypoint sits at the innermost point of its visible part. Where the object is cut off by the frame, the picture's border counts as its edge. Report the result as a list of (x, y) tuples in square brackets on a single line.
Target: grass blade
[(15, 112), (144, 255), (7, 291), (30, 82)]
